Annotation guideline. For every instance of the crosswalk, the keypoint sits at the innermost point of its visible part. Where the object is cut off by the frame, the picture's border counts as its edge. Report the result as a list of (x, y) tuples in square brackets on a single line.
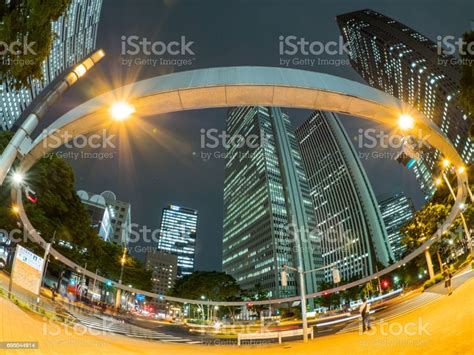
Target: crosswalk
[(396, 311), (109, 324)]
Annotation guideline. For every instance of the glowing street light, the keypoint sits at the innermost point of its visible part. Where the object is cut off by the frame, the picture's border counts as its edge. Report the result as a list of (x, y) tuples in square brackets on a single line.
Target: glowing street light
[(438, 182), (120, 111), (15, 209), (461, 169), (446, 163), (18, 178), (80, 70), (406, 122)]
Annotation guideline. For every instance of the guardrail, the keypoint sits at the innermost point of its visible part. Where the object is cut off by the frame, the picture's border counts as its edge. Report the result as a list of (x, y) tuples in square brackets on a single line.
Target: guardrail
[(231, 86), (273, 335), (57, 313)]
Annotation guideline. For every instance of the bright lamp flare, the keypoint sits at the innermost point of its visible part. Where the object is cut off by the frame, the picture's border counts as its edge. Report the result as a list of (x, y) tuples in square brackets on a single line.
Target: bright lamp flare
[(406, 122), (80, 70), (438, 182), (461, 169), (120, 111), (18, 178), (446, 163)]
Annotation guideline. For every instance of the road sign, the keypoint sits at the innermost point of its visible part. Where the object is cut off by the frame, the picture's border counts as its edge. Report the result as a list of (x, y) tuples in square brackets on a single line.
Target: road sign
[(27, 270)]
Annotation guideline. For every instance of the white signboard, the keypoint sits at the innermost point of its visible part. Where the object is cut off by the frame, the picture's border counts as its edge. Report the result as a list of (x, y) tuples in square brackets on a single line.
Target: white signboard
[(336, 276), (27, 270), (284, 279)]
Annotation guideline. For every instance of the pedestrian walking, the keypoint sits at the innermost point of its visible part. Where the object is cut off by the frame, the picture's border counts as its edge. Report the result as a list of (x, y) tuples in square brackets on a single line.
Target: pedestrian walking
[(53, 293), (364, 311), (447, 279)]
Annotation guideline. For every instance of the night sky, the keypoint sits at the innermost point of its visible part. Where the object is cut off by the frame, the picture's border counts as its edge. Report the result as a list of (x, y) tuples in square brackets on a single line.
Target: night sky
[(161, 164)]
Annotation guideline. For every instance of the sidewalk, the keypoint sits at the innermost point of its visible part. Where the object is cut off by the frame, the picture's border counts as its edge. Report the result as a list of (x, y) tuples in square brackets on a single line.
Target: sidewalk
[(442, 327)]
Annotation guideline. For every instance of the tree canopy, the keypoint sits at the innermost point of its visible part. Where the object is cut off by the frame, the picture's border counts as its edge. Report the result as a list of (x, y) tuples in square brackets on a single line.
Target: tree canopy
[(213, 285), (59, 210), (27, 21)]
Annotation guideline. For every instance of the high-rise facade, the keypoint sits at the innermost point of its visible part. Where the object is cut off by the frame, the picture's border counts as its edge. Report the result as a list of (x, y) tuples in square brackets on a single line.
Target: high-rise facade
[(392, 57), (396, 211), (75, 39), (346, 211), (110, 216), (163, 267), (268, 218), (178, 236)]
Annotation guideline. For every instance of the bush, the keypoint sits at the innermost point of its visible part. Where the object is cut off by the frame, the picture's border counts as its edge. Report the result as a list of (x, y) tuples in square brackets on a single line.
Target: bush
[(435, 280)]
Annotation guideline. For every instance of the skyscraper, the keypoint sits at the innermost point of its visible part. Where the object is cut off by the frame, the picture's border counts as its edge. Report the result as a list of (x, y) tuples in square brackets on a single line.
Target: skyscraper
[(268, 216), (75, 38), (347, 216), (396, 211), (164, 271), (392, 57), (178, 236), (111, 216)]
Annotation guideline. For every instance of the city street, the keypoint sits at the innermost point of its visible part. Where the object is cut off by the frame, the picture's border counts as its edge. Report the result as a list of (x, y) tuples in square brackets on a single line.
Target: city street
[(238, 177), (424, 329)]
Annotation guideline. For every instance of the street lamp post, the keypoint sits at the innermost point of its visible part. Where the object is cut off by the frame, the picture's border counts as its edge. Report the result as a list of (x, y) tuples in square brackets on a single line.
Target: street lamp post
[(95, 280), (46, 258), (466, 228), (301, 274), (119, 293)]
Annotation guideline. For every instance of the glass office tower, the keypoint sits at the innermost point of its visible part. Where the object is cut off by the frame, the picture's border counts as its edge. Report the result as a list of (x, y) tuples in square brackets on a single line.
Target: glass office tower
[(396, 211), (178, 236), (268, 219), (346, 211), (75, 39), (392, 57)]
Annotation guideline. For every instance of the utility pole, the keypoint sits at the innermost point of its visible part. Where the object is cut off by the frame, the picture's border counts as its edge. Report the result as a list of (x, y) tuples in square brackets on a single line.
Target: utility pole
[(119, 291), (464, 224), (47, 250), (301, 274)]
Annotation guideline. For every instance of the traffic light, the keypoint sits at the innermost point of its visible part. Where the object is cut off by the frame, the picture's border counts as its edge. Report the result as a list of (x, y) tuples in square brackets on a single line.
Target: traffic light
[(30, 194), (385, 284), (108, 283)]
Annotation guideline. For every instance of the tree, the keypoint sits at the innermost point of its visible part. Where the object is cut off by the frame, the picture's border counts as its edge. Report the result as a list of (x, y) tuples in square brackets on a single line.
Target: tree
[(258, 293), (60, 211), (213, 285), (27, 21), (423, 225)]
